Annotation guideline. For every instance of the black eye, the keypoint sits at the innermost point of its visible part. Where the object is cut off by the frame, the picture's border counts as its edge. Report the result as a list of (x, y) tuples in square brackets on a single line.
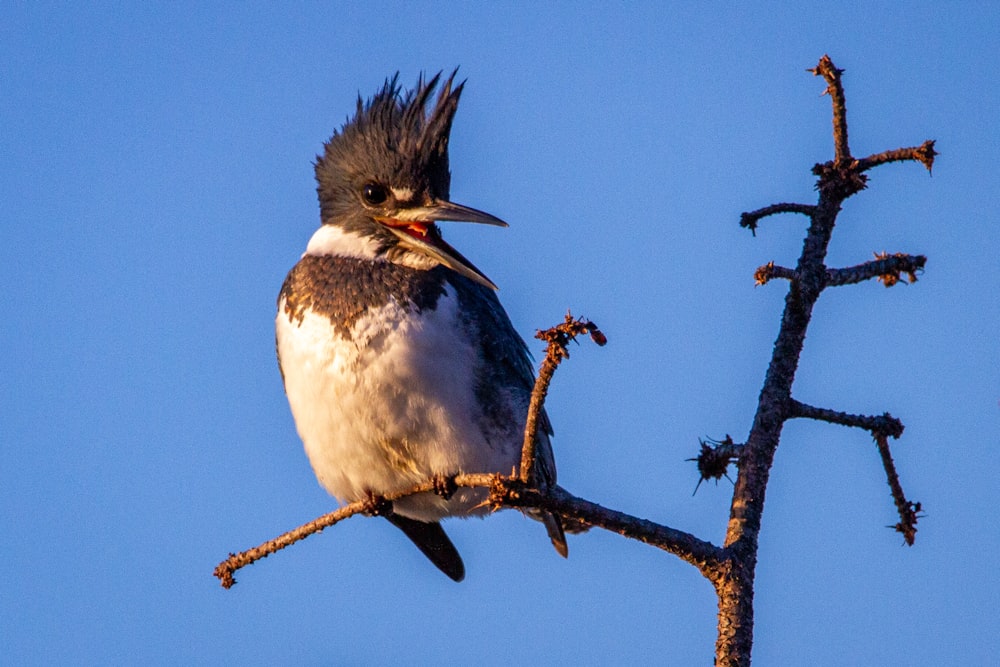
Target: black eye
[(374, 194)]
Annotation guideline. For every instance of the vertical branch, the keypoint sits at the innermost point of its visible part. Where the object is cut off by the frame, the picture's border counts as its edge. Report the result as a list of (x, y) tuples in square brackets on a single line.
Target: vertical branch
[(735, 589), (909, 511), (557, 339), (835, 90), (838, 179)]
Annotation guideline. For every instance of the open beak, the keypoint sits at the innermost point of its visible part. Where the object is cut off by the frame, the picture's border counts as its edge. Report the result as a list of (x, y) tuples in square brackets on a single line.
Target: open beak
[(416, 230)]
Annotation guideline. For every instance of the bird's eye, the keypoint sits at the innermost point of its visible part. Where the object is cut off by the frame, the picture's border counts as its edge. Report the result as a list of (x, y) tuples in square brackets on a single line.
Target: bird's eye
[(374, 194)]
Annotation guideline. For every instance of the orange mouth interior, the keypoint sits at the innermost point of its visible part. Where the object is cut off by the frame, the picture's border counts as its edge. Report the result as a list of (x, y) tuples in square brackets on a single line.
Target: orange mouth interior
[(416, 229)]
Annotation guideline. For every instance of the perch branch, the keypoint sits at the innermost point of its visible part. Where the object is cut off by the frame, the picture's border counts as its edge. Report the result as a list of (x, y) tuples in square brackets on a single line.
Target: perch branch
[(504, 492)]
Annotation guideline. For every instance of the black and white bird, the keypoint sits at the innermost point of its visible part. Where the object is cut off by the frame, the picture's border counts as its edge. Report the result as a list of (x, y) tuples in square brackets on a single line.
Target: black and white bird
[(398, 360)]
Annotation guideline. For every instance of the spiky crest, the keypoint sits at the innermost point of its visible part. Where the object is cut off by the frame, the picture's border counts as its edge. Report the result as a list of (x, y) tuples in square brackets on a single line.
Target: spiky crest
[(396, 138)]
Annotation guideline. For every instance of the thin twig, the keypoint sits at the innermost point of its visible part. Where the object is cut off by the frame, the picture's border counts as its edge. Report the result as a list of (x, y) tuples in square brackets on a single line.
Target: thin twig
[(557, 339), (909, 511), (924, 154), (876, 425), (751, 219), (227, 568), (838, 179), (769, 271), (503, 492), (889, 269), (835, 90)]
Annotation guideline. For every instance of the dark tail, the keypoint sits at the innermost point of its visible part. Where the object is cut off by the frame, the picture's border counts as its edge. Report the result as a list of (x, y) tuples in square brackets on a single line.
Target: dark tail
[(431, 539), (554, 528)]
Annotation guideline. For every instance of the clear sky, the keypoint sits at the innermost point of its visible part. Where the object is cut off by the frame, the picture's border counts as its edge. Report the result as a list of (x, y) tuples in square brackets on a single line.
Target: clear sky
[(156, 180)]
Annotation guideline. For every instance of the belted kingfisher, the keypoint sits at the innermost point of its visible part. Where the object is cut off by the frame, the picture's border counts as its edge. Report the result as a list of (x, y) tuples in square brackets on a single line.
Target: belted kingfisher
[(398, 360)]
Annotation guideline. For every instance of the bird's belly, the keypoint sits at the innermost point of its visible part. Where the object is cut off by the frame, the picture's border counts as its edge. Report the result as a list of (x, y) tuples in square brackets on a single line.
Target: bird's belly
[(390, 405)]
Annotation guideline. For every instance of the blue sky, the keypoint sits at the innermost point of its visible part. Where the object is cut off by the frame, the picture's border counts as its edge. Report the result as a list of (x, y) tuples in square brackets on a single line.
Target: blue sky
[(155, 169)]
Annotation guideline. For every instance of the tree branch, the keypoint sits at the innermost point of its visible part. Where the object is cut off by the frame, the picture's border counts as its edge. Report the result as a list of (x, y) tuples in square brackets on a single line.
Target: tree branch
[(835, 90), (703, 555), (924, 154), (751, 219), (504, 492), (769, 271), (909, 511), (884, 425), (838, 179), (889, 269), (557, 339)]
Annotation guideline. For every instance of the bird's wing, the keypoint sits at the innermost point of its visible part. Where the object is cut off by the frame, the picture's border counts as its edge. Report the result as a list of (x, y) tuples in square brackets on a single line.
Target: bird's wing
[(507, 364), (508, 370)]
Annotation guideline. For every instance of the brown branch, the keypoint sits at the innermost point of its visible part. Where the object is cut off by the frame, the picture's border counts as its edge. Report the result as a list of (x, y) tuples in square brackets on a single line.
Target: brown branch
[(374, 505), (835, 90), (769, 271), (706, 556), (881, 425), (839, 179), (924, 154), (889, 269), (558, 339), (751, 219), (504, 492), (909, 511), (225, 570)]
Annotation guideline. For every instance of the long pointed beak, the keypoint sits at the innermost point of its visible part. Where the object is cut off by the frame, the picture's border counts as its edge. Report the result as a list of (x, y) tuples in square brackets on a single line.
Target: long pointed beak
[(416, 230)]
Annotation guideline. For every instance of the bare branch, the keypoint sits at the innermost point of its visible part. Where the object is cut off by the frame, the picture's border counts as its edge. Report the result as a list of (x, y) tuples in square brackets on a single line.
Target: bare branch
[(889, 269), (504, 492), (765, 273), (558, 338), (372, 505), (835, 90), (924, 154), (883, 425), (706, 556), (909, 511), (839, 179), (751, 219)]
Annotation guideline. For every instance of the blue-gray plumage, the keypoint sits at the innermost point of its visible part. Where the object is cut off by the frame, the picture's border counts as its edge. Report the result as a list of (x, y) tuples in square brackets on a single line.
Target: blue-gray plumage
[(398, 360)]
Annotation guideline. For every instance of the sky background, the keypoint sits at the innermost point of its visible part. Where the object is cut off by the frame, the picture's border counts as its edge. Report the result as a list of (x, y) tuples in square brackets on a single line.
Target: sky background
[(156, 180)]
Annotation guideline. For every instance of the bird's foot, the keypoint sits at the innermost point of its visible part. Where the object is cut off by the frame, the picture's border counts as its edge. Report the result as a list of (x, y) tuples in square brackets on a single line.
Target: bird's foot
[(444, 486), (376, 505)]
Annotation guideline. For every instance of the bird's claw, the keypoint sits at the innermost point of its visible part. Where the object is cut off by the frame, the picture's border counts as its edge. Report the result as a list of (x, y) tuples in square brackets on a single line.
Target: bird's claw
[(444, 486), (376, 505)]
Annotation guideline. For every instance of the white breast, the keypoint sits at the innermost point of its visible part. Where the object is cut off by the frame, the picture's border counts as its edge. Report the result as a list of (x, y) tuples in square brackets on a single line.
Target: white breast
[(390, 405)]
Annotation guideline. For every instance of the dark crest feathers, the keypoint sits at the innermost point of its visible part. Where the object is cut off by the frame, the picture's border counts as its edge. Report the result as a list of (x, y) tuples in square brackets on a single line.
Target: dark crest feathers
[(395, 126)]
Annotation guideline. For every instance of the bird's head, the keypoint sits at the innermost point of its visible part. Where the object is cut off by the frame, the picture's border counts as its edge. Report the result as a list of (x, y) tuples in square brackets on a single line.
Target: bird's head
[(385, 175)]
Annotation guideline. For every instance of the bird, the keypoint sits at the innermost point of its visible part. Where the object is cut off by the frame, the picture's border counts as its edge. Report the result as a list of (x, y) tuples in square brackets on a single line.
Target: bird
[(398, 360)]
